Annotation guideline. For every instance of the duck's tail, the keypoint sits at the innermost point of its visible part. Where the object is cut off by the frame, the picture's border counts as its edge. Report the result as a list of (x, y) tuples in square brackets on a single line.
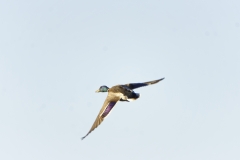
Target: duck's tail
[(133, 97)]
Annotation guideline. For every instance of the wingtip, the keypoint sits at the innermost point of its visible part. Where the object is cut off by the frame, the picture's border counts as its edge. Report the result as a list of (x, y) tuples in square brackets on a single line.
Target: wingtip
[(162, 78), (159, 80), (85, 136)]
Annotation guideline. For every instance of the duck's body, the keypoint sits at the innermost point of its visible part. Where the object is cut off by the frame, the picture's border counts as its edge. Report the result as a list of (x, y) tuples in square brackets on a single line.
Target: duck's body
[(115, 94), (125, 93)]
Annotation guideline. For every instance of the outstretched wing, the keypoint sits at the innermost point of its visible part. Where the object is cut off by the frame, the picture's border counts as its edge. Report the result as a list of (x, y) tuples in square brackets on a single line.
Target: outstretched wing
[(137, 85), (108, 105)]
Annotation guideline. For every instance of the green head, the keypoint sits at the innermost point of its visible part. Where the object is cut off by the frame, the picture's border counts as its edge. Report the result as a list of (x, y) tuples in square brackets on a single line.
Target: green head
[(102, 89)]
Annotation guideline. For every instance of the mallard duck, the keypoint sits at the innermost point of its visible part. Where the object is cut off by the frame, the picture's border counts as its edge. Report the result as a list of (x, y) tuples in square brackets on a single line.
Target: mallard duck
[(115, 94)]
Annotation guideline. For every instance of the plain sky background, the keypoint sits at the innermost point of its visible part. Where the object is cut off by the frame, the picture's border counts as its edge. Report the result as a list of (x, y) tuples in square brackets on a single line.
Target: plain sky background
[(55, 54)]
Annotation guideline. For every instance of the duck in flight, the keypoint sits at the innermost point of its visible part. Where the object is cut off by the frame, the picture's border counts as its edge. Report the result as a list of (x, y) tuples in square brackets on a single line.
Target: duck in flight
[(115, 94)]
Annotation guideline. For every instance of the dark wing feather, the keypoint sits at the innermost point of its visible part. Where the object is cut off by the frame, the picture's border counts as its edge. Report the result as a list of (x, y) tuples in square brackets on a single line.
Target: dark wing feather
[(137, 85), (108, 105)]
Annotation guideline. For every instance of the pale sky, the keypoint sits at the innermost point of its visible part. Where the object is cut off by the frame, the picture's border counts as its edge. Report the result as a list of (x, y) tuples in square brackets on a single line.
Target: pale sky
[(55, 54)]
